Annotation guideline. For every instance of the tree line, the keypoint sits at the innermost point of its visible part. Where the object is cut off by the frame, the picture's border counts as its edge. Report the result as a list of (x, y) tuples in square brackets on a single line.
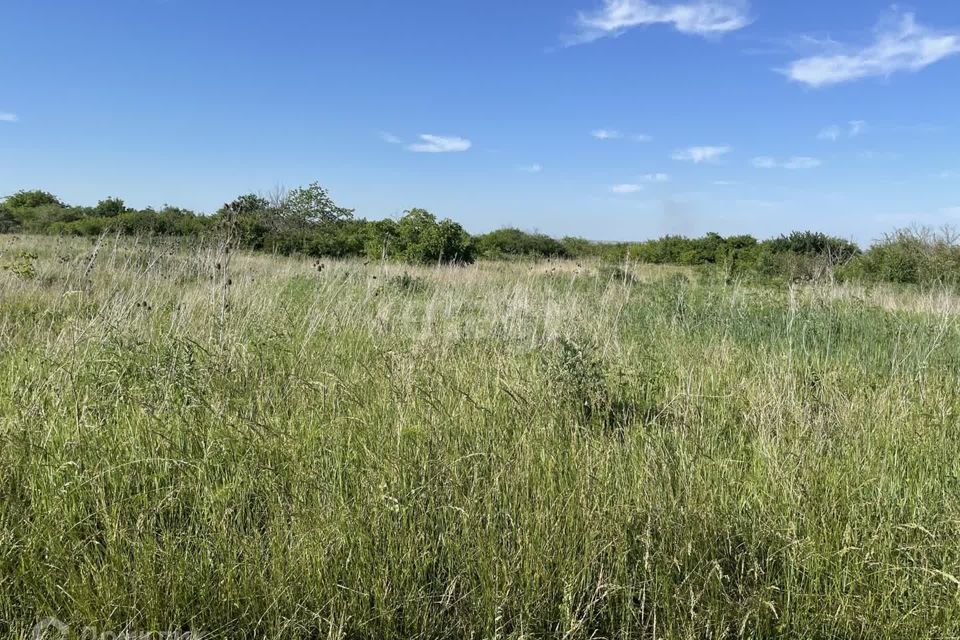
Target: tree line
[(306, 221)]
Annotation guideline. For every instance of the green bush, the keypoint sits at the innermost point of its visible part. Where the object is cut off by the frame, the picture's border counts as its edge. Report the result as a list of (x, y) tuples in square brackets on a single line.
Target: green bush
[(32, 199), (8, 223), (513, 243), (22, 264), (306, 221), (909, 256), (421, 239), (809, 243)]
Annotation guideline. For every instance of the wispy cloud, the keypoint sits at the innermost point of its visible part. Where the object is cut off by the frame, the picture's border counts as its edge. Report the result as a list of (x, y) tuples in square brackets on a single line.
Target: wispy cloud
[(794, 163), (655, 177), (834, 132), (802, 162), (439, 144), (8, 117), (698, 155), (626, 188), (390, 138), (831, 133), (613, 134), (606, 134), (900, 44), (695, 17), (531, 168), (878, 155)]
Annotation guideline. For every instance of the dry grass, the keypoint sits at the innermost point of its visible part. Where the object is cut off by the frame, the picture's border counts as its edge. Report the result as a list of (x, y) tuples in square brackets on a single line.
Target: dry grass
[(499, 451)]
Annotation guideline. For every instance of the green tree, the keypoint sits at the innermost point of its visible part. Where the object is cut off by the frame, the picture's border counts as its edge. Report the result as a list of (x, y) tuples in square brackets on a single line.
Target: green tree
[(423, 240), (110, 208), (32, 200), (509, 242), (382, 240), (312, 205), (249, 203), (7, 222)]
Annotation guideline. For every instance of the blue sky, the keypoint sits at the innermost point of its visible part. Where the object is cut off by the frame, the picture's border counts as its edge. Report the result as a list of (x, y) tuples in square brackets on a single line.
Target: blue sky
[(611, 119)]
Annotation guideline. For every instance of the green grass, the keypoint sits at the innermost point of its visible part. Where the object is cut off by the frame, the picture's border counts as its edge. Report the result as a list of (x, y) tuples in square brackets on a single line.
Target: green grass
[(498, 451)]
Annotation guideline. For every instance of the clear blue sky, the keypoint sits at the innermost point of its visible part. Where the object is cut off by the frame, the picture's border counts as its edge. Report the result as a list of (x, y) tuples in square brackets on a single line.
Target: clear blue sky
[(611, 119)]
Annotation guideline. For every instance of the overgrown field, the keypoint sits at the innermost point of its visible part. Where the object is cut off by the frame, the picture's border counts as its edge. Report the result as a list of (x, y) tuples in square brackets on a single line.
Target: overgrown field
[(249, 446)]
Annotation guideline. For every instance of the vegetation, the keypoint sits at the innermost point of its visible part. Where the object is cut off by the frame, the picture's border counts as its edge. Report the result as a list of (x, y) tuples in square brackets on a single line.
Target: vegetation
[(306, 221), (249, 445), (514, 243), (911, 256)]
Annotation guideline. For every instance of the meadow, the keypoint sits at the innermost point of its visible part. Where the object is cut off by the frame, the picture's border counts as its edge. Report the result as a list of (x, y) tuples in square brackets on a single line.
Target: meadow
[(247, 445)]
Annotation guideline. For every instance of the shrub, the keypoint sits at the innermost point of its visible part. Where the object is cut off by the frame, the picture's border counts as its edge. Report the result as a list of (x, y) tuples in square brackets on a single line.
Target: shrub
[(910, 256), (8, 223), (422, 240), (809, 243), (109, 208), (32, 199), (22, 265), (511, 243), (406, 283)]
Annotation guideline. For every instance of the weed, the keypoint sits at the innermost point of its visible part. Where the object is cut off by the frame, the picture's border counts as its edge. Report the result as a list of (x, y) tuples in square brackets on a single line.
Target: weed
[(406, 283), (22, 265)]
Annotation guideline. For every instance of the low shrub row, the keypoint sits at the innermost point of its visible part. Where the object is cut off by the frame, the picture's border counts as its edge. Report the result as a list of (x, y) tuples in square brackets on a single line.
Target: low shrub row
[(307, 221)]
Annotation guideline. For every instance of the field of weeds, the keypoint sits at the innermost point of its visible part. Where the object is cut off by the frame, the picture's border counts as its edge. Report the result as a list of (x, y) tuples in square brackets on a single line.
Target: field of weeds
[(247, 446)]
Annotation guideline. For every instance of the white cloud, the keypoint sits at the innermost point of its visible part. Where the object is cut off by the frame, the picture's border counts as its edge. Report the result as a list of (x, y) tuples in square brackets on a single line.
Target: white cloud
[(439, 144), (698, 155), (531, 168), (613, 134), (796, 162), (802, 162), (900, 44), (626, 188), (835, 132), (606, 134), (696, 17), (655, 177), (831, 133), (390, 138), (8, 117)]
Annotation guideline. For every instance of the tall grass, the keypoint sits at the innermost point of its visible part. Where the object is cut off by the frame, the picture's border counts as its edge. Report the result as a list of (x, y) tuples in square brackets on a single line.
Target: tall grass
[(499, 451)]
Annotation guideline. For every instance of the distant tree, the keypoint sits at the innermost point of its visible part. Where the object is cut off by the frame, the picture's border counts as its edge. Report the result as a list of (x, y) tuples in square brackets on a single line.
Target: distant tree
[(312, 205), (246, 204), (741, 242), (382, 240), (916, 255), (32, 200), (579, 247), (812, 243), (423, 240), (109, 208), (514, 242), (8, 223)]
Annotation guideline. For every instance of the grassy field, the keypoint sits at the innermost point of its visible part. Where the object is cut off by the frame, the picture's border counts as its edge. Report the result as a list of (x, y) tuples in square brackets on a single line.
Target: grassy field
[(249, 446)]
